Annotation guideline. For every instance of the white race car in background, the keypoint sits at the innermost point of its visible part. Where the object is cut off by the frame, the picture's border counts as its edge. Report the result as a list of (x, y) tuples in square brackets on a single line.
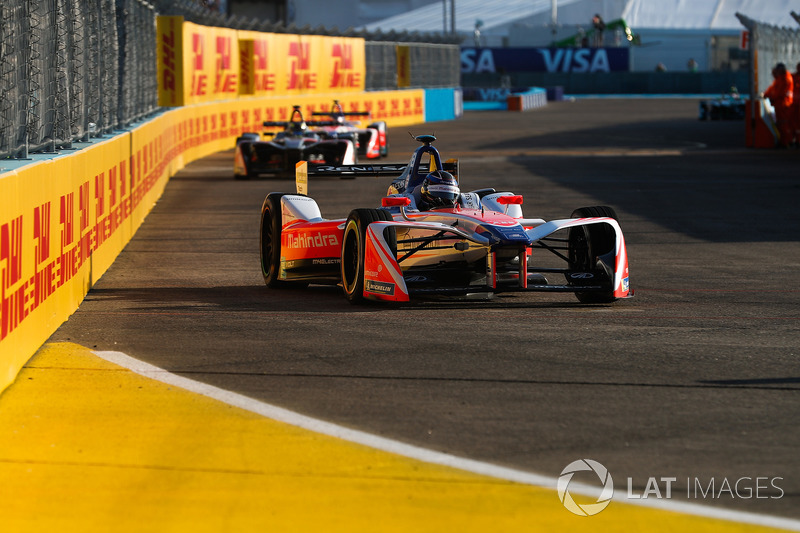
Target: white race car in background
[(371, 141)]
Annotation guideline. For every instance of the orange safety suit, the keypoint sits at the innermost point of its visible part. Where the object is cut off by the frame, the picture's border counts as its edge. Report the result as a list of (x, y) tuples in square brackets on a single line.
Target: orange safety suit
[(796, 106), (781, 95)]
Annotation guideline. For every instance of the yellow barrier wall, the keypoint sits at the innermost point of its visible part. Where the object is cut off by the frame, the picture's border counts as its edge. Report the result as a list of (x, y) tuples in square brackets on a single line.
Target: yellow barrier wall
[(63, 221), (66, 223), (199, 64)]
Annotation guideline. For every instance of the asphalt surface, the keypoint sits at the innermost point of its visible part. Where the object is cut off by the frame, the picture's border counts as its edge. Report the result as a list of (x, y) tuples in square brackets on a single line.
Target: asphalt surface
[(696, 378)]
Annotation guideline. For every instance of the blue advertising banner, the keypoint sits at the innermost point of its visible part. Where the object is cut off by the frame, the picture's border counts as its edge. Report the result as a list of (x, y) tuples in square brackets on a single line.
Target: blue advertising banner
[(504, 60)]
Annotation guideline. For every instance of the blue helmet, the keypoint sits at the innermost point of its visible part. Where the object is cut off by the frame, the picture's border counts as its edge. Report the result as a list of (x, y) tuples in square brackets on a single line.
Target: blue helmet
[(440, 189)]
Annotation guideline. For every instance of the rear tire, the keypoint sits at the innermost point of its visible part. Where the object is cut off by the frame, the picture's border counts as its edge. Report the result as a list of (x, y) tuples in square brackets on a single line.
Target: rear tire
[(385, 148), (353, 247), (271, 244), (586, 243)]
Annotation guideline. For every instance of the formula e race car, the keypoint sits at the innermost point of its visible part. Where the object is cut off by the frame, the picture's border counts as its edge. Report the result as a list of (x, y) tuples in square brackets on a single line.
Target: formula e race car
[(371, 142), (428, 238), (297, 142)]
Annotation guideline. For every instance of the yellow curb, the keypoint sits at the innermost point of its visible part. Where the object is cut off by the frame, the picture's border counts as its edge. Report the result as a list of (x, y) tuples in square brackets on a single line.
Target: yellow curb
[(88, 446)]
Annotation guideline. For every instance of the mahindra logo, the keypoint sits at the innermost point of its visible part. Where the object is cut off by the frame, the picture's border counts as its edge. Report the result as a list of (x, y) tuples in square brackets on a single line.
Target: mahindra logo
[(311, 241)]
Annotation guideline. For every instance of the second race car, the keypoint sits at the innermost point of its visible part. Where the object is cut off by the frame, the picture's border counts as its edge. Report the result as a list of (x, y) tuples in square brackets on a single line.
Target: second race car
[(297, 142), (429, 238), (371, 141)]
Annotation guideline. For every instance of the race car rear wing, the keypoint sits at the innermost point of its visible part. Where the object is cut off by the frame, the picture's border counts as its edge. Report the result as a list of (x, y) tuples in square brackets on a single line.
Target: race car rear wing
[(287, 123), (351, 171), (338, 111), (304, 169), (341, 113)]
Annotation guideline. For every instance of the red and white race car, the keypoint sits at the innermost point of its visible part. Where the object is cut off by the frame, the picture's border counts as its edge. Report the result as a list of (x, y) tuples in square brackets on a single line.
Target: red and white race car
[(371, 141), (429, 238)]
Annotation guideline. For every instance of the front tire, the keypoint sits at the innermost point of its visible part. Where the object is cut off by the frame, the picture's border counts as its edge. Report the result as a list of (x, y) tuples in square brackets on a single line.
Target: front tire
[(353, 247), (586, 244), (271, 244)]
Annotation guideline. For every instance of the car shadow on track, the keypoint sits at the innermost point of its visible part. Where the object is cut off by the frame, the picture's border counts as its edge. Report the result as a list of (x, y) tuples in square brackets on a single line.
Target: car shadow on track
[(314, 299)]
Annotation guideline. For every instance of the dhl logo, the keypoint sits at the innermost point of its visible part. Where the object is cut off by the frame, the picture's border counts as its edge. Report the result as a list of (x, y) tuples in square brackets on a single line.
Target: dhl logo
[(57, 259), (225, 77), (300, 75), (169, 72), (264, 80), (199, 78), (343, 74), (226, 81), (261, 54), (198, 51), (223, 53)]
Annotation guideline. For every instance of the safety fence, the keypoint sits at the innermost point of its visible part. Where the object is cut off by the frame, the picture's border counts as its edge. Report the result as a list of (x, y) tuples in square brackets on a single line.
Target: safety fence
[(769, 45), (73, 70), (425, 64)]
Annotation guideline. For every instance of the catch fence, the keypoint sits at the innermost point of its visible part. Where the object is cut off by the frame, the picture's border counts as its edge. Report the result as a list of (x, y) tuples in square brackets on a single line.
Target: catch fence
[(73, 70), (770, 45)]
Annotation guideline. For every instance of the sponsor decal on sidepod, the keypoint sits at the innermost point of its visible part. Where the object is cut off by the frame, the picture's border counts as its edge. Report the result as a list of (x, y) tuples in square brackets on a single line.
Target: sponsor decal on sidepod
[(312, 241)]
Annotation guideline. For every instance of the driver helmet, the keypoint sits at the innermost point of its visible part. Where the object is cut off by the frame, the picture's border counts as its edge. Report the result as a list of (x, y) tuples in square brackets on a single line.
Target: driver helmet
[(440, 189)]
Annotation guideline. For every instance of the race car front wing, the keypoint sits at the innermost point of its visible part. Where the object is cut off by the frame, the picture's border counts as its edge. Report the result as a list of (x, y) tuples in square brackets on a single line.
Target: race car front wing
[(384, 278)]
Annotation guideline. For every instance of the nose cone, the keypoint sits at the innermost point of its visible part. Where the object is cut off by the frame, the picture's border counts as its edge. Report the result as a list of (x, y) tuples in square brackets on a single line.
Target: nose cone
[(505, 234)]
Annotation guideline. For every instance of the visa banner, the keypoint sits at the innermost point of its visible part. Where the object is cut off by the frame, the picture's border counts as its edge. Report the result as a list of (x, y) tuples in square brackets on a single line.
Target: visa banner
[(477, 60)]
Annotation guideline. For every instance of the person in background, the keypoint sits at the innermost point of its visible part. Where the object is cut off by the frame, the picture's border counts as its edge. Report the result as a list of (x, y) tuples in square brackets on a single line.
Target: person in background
[(692, 65), (599, 28), (796, 105), (780, 95)]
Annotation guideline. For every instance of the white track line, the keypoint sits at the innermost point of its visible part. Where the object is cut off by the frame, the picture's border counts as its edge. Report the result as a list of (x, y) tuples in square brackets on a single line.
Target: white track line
[(422, 454)]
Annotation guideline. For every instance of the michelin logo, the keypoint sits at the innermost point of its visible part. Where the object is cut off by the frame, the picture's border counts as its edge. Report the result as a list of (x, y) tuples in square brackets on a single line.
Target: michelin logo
[(379, 287)]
